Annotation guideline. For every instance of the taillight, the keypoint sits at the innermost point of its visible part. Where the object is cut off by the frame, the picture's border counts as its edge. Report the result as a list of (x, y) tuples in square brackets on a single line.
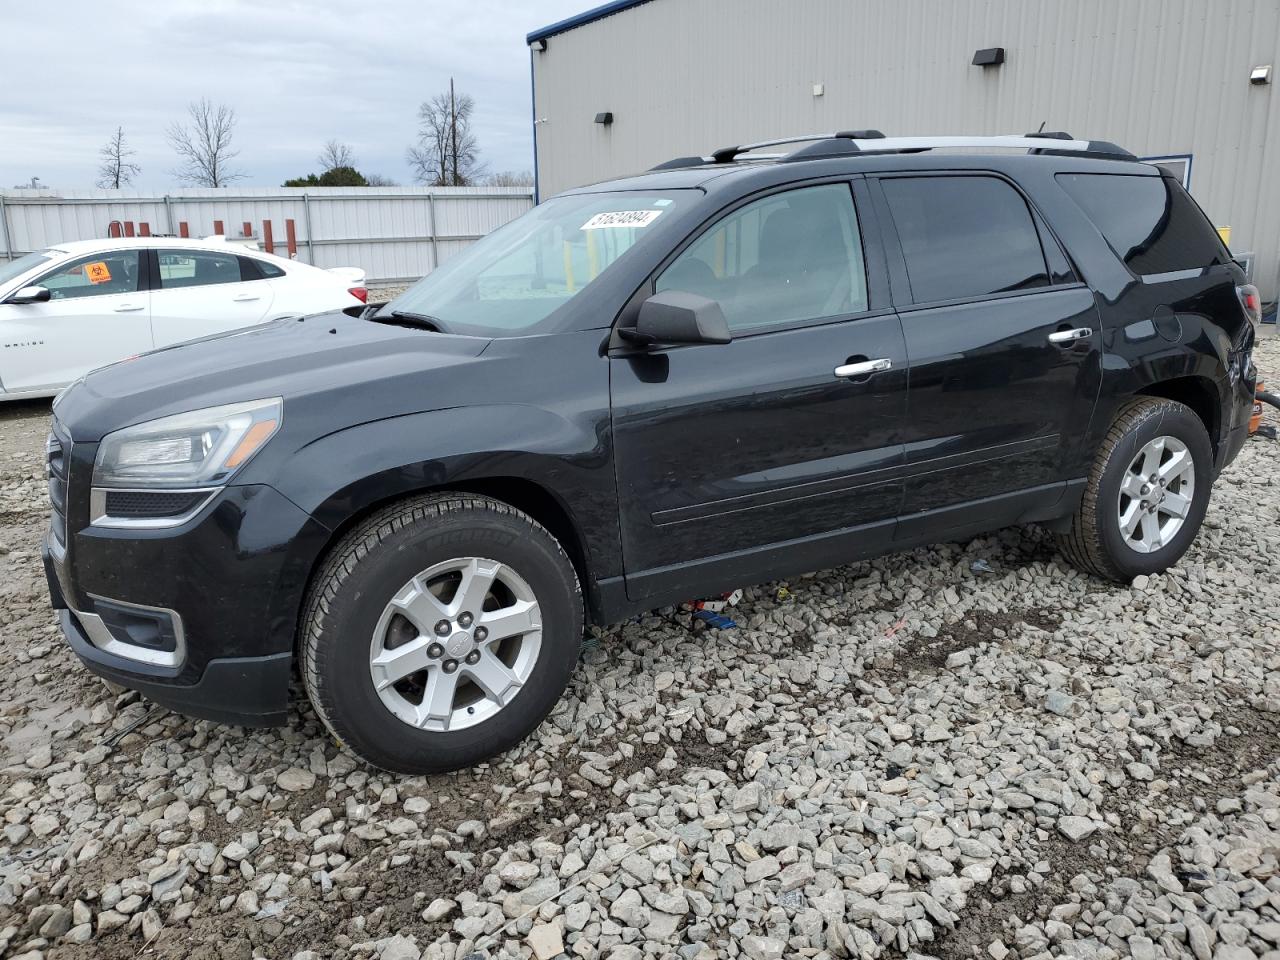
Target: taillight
[(1251, 300), (362, 293)]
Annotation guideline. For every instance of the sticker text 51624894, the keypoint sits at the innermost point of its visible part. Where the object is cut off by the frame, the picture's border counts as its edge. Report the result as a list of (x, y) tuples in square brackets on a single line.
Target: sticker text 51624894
[(621, 218)]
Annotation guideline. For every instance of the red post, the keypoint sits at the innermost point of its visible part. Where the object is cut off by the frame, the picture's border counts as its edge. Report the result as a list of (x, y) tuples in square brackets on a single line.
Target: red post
[(248, 229), (217, 227), (268, 243), (113, 229), (128, 228), (144, 229), (291, 238), (183, 229)]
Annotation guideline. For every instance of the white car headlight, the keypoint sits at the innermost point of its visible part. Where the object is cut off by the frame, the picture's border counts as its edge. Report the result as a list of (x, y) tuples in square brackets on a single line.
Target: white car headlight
[(202, 448)]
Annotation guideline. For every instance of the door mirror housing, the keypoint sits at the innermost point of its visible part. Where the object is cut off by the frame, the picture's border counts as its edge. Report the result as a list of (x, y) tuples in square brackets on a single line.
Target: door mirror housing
[(30, 295), (674, 316)]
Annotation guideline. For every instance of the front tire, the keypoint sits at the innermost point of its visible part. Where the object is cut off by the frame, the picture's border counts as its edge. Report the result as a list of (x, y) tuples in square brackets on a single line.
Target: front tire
[(440, 632), (1146, 494)]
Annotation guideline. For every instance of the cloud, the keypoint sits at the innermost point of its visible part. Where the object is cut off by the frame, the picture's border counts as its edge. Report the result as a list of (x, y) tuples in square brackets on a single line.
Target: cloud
[(297, 74)]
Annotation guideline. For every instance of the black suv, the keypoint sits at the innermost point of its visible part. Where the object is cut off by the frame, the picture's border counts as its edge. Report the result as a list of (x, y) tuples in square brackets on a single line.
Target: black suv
[(726, 370)]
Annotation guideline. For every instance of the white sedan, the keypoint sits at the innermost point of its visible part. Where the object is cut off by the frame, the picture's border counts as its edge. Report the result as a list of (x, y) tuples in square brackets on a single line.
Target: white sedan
[(75, 306)]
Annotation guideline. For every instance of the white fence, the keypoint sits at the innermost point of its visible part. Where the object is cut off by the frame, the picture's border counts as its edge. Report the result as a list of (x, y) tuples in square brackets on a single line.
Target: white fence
[(396, 234)]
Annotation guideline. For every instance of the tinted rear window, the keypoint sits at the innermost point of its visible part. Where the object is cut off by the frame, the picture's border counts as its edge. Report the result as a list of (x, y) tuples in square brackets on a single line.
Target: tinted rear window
[(1150, 222), (965, 237)]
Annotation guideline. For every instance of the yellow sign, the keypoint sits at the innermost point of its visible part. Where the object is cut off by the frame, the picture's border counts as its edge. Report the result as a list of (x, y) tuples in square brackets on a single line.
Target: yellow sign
[(97, 272), (1225, 234)]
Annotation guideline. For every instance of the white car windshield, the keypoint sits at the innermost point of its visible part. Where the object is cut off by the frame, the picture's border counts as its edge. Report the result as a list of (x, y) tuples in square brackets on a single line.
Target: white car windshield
[(513, 279), (16, 268)]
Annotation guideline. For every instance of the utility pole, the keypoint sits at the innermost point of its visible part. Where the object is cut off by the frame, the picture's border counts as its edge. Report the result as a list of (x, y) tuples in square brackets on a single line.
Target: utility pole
[(453, 131)]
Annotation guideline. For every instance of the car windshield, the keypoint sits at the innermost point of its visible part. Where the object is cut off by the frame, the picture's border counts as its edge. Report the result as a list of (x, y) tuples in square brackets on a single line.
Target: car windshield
[(513, 279), (16, 268)]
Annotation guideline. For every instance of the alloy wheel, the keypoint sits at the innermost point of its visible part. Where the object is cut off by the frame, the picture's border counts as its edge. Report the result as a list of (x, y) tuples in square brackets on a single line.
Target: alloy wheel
[(456, 644), (1156, 494)]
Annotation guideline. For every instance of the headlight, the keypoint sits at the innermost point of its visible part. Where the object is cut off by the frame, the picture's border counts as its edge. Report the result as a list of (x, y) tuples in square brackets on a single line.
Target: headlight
[(202, 448)]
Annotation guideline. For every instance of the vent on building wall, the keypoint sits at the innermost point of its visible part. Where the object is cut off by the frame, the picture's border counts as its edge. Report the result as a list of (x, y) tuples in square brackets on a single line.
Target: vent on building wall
[(605, 119), (990, 57)]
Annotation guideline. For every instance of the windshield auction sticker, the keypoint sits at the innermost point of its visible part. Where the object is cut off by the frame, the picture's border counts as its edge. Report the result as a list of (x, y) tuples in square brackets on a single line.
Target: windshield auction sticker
[(621, 218), (97, 272)]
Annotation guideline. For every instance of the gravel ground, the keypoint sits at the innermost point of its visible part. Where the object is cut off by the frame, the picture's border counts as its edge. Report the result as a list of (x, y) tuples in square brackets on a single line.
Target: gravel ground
[(969, 750)]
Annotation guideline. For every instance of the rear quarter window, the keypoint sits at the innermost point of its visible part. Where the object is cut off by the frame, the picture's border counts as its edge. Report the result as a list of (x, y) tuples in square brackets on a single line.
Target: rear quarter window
[(1151, 223)]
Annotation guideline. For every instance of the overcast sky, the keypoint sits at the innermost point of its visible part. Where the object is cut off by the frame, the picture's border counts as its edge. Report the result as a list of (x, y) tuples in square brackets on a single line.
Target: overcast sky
[(296, 73)]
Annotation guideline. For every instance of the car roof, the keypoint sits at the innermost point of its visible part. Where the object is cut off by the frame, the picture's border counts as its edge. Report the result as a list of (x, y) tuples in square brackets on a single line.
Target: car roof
[(748, 172), (77, 247)]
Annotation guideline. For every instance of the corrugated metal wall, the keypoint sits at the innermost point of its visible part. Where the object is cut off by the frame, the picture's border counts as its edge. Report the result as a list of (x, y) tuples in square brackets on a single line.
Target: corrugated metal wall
[(1159, 77), (397, 234)]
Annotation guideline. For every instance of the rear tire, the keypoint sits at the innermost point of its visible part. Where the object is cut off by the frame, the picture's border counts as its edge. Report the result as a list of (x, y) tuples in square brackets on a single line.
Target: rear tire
[(440, 632), (1146, 494)]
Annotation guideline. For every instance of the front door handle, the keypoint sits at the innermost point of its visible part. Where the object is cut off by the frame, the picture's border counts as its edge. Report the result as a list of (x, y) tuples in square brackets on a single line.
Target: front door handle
[(246, 297), (129, 307), (863, 368), (1071, 336)]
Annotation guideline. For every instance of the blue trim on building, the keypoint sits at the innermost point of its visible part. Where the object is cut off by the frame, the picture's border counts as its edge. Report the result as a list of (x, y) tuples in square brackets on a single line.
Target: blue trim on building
[(589, 16), (533, 96)]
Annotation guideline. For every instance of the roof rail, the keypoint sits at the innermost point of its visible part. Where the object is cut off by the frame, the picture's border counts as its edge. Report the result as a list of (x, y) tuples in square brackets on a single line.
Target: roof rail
[(728, 154), (845, 142)]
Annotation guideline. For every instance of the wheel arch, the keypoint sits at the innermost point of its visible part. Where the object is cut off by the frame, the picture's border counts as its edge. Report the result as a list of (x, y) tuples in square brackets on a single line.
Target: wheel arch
[(526, 495), (1198, 393)]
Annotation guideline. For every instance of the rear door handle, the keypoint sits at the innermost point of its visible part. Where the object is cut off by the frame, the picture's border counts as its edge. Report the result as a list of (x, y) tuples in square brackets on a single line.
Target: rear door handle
[(129, 307), (863, 368), (246, 297), (1071, 336)]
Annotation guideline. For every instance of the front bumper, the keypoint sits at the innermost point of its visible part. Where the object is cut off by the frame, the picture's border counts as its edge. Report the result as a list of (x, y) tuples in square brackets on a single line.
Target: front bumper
[(229, 583), (247, 691)]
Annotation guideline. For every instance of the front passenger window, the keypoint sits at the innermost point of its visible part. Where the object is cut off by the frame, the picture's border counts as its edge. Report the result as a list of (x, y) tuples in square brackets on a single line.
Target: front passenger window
[(96, 275), (789, 257)]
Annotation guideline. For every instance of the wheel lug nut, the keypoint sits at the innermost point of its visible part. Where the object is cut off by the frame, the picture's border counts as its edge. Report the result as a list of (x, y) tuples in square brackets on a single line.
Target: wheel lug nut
[(443, 628), (450, 666), (464, 620), (435, 651), (473, 656), (481, 634)]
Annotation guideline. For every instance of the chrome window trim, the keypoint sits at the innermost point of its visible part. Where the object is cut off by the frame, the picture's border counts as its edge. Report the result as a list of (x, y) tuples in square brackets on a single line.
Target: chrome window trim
[(102, 638), (98, 516)]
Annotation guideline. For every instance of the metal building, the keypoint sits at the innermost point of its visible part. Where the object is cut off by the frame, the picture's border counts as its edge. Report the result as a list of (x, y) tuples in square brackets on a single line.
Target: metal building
[(630, 84)]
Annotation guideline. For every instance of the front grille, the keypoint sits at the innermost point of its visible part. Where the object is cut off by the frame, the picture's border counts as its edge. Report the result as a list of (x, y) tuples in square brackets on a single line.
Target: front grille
[(138, 503), (57, 461)]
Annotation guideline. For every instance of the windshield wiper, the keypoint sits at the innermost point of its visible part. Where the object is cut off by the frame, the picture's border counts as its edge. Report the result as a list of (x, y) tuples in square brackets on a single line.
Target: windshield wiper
[(405, 318)]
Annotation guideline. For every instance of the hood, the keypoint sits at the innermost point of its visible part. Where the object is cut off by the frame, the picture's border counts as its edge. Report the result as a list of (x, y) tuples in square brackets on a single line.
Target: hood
[(366, 369)]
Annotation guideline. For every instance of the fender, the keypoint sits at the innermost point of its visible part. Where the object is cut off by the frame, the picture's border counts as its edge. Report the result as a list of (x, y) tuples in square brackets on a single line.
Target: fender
[(344, 474)]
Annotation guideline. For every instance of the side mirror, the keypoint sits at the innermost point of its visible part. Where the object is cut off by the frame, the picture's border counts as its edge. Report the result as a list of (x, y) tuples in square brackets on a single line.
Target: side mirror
[(30, 295), (674, 316)]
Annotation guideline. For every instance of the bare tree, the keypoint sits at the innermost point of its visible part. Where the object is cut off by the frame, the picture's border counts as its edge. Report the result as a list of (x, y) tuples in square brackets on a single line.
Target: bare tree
[(204, 146), (378, 180), (335, 154), (509, 178), (116, 170), (447, 153)]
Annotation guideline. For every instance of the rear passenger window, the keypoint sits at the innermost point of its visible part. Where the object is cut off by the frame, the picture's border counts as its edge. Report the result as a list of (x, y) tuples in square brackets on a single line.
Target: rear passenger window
[(1150, 222), (196, 268), (965, 237)]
